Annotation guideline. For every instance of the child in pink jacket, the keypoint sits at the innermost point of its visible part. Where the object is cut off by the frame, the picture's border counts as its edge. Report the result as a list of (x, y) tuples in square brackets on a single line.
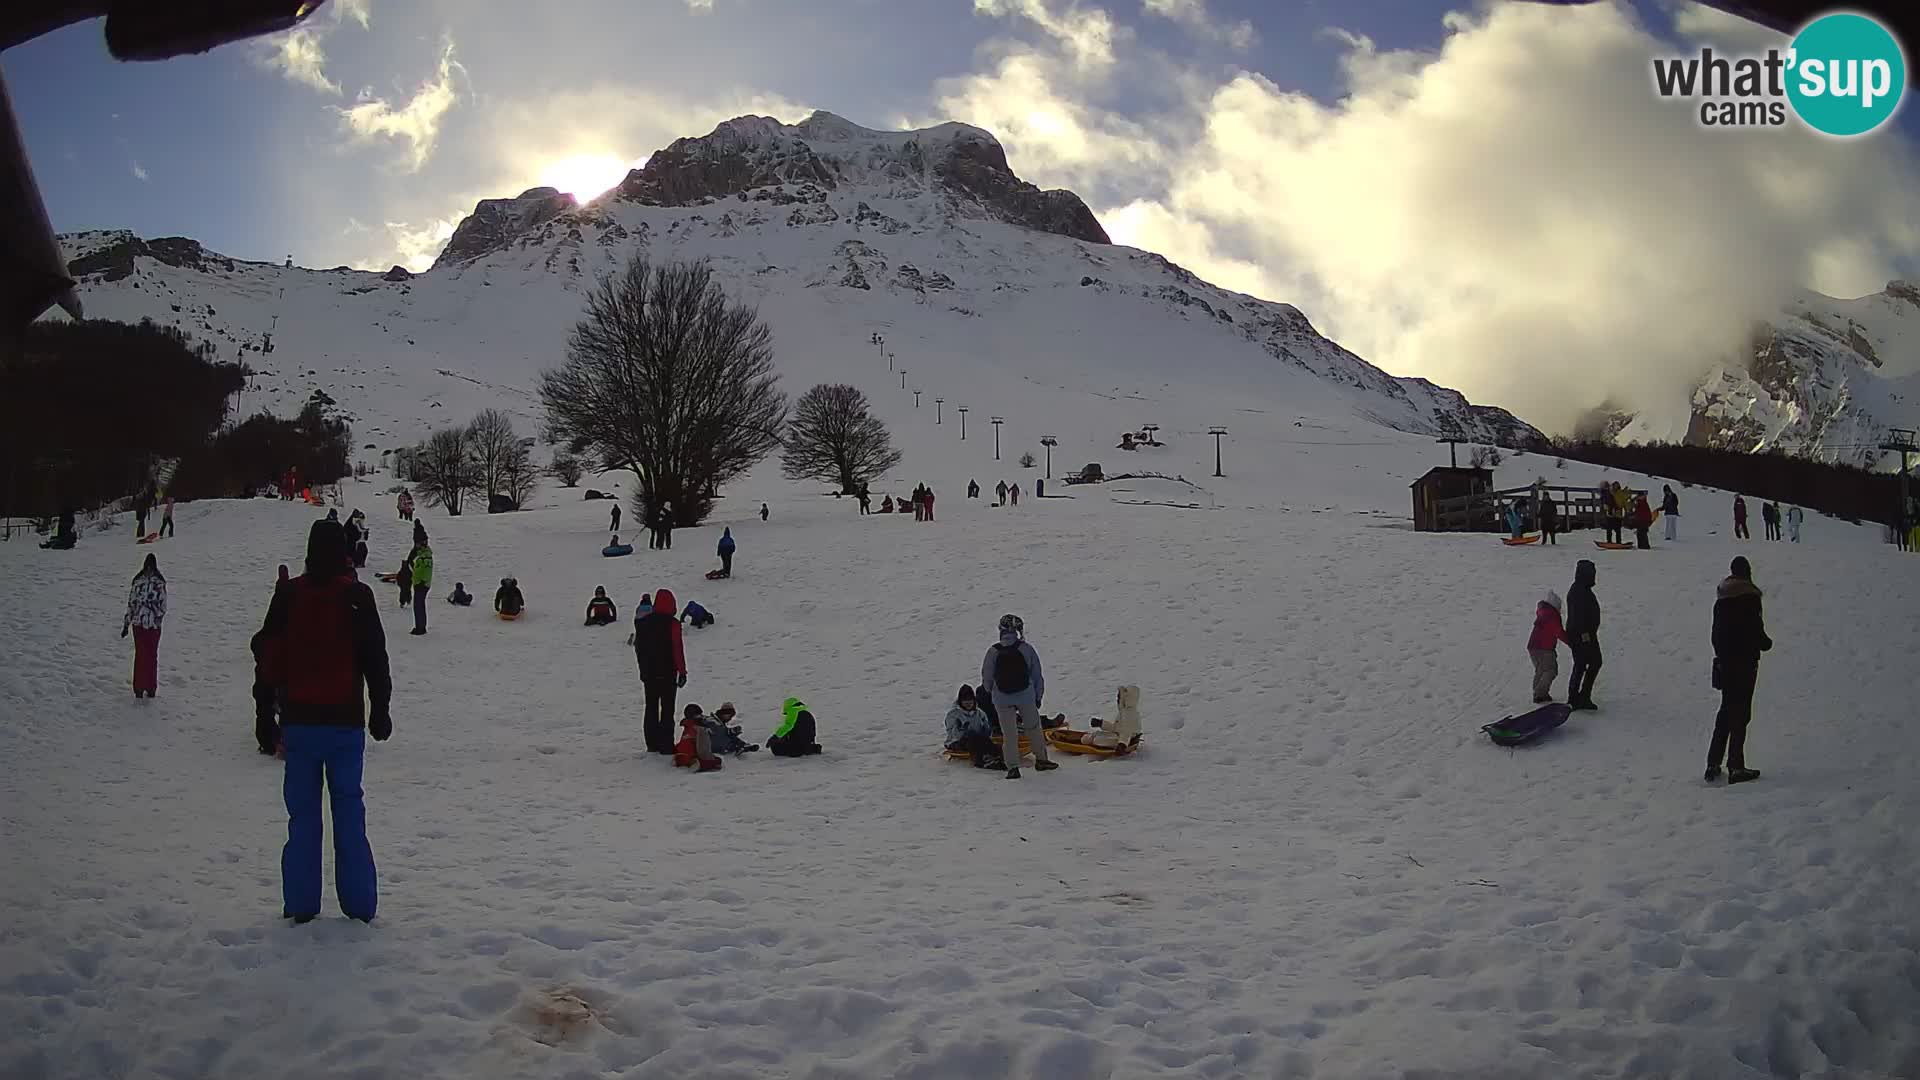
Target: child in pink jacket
[(1543, 647)]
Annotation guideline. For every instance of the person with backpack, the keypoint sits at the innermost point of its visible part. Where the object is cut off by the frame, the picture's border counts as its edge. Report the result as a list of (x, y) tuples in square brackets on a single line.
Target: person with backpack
[(600, 609), (1739, 637), (326, 658), (1012, 670), (797, 735), (146, 610), (422, 562), (726, 552), (1583, 636), (1670, 509), (1740, 519), (970, 731), (661, 655), (1543, 646)]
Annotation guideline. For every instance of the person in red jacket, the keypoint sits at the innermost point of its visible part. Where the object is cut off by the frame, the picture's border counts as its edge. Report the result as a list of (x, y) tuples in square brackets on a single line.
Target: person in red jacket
[(1642, 520), (1740, 518), (662, 657), (324, 653), (1543, 646)]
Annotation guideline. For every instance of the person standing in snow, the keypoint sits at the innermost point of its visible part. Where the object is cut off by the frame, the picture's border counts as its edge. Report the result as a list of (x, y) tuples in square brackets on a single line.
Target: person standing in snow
[(929, 504), (422, 581), (403, 577), (146, 610), (973, 489), (1739, 637), (1642, 519), (1549, 518), (1583, 636), (1670, 509), (1544, 645), (613, 525), (1740, 519), (166, 517), (142, 506), (1013, 494), (662, 657), (1769, 520), (1012, 670), (763, 508), (726, 552), (1794, 517), (1000, 493), (326, 655)]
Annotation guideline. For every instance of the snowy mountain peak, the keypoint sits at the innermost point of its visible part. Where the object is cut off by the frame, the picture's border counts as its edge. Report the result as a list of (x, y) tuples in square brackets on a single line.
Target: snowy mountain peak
[(496, 221)]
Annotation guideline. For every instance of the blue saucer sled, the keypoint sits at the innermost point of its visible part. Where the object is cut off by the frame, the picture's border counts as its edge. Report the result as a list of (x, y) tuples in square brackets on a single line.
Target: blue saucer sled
[(1523, 729)]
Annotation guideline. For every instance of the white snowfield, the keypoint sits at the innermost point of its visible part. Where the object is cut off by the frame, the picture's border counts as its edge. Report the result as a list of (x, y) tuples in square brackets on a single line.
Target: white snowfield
[(1318, 867)]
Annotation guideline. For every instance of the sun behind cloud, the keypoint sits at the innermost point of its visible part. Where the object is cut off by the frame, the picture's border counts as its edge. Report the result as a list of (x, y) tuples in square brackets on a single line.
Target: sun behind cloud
[(585, 176)]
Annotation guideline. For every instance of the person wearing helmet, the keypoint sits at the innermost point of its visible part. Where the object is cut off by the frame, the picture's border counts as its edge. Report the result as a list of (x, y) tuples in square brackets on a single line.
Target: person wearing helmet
[(1012, 672)]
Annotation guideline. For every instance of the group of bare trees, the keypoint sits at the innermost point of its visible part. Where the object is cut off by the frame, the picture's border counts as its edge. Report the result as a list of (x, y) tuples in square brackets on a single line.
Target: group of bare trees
[(484, 459), (667, 378)]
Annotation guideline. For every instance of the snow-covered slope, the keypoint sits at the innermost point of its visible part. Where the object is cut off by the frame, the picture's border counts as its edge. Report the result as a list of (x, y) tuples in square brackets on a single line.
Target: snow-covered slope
[(1826, 379), (990, 293)]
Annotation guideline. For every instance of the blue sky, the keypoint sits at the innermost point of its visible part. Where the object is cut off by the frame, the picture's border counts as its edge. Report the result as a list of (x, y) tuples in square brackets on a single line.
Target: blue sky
[(1440, 186)]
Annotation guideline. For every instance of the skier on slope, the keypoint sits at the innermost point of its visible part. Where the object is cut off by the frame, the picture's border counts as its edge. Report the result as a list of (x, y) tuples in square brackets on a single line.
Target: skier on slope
[(1739, 637), (326, 655), (1583, 636), (1012, 670), (661, 655)]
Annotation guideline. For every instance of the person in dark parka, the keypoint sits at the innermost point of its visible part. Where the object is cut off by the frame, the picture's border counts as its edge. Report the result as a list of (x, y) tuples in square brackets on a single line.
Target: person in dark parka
[(662, 657), (1583, 636), (1739, 637)]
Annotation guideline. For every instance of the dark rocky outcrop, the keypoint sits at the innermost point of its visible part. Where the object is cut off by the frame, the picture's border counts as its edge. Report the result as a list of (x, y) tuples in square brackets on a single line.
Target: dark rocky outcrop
[(496, 221), (115, 261), (398, 273), (977, 168)]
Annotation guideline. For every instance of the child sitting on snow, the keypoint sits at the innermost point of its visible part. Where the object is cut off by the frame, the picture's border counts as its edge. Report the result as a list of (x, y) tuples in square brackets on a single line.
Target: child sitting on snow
[(1543, 646), (508, 601), (796, 735), (461, 597), (600, 610), (724, 735), (695, 748), (970, 730)]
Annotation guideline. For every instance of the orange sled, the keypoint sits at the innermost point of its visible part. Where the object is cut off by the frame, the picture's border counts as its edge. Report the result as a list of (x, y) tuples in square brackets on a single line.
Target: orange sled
[(1068, 740)]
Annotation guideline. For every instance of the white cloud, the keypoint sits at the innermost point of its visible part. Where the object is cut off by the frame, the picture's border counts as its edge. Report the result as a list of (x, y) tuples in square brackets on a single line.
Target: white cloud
[(1193, 14), (1514, 214), (139, 173), (700, 6), (417, 122), (298, 55), (1088, 33)]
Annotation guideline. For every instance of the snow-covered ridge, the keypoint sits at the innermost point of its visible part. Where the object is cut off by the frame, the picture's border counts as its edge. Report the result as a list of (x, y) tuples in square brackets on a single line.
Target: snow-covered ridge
[(1826, 379)]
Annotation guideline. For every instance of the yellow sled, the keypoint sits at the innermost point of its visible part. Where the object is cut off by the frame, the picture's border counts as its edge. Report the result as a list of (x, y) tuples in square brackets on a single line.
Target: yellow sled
[(1026, 747), (1068, 740)]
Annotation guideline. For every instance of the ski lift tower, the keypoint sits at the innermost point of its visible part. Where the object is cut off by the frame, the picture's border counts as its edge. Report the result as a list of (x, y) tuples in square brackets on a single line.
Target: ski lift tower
[(1049, 442), (997, 421), (1217, 433), (1902, 441)]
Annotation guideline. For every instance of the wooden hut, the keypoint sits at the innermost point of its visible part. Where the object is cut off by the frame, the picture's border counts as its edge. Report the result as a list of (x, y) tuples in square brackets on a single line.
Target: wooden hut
[(1431, 514)]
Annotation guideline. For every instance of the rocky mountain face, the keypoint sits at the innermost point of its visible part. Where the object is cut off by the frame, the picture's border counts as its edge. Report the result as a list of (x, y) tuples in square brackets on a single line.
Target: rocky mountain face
[(1826, 379), (834, 231), (494, 222)]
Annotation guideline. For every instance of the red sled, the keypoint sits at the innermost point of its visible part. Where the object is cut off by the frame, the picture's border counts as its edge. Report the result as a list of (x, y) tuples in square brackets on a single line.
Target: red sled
[(717, 575)]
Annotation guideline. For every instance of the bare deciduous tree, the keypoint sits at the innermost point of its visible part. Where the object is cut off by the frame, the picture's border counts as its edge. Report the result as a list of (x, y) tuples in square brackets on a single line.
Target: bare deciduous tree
[(833, 437), (518, 479), (444, 470), (493, 443), (567, 468), (668, 379)]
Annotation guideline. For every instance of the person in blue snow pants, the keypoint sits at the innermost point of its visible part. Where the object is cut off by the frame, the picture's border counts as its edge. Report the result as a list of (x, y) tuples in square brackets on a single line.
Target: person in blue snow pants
[(324, 655), (336, 754)]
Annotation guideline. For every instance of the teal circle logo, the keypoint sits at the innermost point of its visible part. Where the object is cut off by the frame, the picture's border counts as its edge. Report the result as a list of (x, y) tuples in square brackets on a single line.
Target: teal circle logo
[(1847, 74)]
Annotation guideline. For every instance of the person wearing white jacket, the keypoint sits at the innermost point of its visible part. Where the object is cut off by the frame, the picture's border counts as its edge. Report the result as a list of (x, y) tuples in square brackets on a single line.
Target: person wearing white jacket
[(146, 610)]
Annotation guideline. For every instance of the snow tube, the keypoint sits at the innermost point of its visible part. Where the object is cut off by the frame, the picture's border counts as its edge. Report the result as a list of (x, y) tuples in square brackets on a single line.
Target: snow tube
[(614, 551), (1531, 538), (509, 618), (1516, 730), (1068, 740), (1608, 546)]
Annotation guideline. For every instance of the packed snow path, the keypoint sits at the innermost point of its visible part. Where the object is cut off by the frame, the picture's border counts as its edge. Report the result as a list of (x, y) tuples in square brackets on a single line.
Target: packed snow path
[(1318, 868)]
